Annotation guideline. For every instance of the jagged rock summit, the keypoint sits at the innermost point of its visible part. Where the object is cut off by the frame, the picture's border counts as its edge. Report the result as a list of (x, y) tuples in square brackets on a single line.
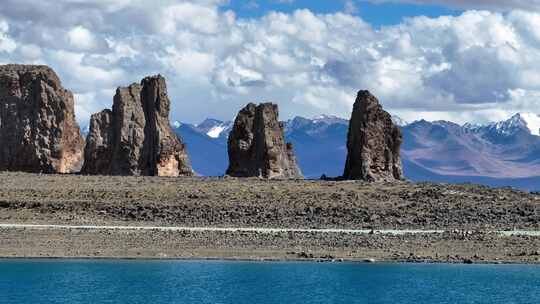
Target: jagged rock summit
[(38, 130), (373, 143), (135, 138), (257, 146)]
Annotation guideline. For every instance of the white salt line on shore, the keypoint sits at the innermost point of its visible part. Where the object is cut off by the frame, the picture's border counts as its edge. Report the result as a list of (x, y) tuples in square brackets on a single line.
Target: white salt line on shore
[(259, 230), (520, 233), (218, 229)]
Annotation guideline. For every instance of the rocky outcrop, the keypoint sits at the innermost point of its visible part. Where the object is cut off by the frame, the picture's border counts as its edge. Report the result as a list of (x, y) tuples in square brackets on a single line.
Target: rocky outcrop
[(135, 138), (38, 131), (257, 146), (99, 143), (373, 142)]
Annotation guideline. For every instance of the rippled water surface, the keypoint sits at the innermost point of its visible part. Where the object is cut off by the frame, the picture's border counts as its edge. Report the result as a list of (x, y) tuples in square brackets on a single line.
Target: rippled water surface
[(154, 282)]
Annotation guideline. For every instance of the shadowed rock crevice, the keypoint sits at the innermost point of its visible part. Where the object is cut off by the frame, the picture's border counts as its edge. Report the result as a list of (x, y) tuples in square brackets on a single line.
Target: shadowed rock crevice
[(135, 138), (373, 143), (257, 146), (38, 130)]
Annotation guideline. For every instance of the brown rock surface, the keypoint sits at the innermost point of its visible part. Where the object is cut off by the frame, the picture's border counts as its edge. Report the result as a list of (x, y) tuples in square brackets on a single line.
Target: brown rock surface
[(135, 138), (99, 143), (373, 142), (38, 131), (257, 146)]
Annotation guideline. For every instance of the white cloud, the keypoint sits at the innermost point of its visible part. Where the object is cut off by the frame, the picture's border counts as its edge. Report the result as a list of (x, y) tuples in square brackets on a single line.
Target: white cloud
[(6, 43), (30, 52), (474, 66), (87, 75), (195, 65), (81, 38), (503, 5), (192, 16)]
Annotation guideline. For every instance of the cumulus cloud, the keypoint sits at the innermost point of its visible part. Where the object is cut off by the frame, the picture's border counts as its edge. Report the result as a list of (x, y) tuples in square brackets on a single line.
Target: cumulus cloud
[(82, 39), (6, 43), (476, 66), (502, 5)]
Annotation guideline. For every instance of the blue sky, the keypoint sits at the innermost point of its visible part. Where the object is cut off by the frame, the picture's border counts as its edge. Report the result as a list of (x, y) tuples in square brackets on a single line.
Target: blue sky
[(380, 14)]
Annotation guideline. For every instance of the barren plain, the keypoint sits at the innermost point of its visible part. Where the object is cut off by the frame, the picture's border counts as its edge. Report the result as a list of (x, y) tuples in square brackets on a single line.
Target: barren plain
[(452, 223)]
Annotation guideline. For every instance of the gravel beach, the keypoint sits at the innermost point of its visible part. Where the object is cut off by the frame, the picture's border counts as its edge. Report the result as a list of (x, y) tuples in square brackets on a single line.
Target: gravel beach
[(469, 215)]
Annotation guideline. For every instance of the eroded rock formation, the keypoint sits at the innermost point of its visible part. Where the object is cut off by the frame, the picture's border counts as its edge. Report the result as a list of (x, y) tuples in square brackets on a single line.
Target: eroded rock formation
[(38, 131), (373, 142), (99, 143), (257, 146), (135, 138)]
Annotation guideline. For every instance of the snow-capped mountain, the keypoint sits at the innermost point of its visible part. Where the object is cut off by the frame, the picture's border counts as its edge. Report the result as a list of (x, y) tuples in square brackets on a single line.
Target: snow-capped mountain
[(505, 153), (315, 126), (319, 144), (214, 128), (398, 121), (328, 119), (207, 147), (521, 122)]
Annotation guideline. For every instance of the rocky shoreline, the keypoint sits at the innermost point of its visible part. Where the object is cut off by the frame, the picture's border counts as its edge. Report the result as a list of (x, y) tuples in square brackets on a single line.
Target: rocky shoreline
[(259, 203), (339, 247)]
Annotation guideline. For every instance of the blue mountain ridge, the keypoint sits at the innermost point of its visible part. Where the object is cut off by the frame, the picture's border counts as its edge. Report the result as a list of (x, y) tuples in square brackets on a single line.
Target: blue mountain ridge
[(498, 155)]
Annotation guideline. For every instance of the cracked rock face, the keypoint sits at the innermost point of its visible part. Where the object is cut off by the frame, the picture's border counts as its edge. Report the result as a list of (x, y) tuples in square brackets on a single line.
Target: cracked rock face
[(38, 130), (98, 148), (135, 138), (257, 147), (373, 143)]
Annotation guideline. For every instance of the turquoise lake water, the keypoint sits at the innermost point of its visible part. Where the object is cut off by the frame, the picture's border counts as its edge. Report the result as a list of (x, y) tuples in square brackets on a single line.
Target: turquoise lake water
[(155, 282)]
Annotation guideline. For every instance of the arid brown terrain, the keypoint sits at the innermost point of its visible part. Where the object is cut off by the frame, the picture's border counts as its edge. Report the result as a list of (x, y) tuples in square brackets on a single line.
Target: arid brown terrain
[(470, 216)]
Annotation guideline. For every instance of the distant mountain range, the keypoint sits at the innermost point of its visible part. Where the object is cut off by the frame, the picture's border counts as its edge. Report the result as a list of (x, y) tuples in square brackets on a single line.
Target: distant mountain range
[(505, 153)]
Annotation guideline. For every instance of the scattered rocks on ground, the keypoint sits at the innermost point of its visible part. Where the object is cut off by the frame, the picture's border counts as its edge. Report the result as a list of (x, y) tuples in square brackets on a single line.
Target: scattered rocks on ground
[(462, 210), (38, 130), (468, 213), (319, 247)]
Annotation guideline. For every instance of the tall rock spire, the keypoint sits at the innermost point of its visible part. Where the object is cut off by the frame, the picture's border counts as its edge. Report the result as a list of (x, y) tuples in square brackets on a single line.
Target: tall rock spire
[(257, 146), (373, 142), (135, 138), (38, 130)]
